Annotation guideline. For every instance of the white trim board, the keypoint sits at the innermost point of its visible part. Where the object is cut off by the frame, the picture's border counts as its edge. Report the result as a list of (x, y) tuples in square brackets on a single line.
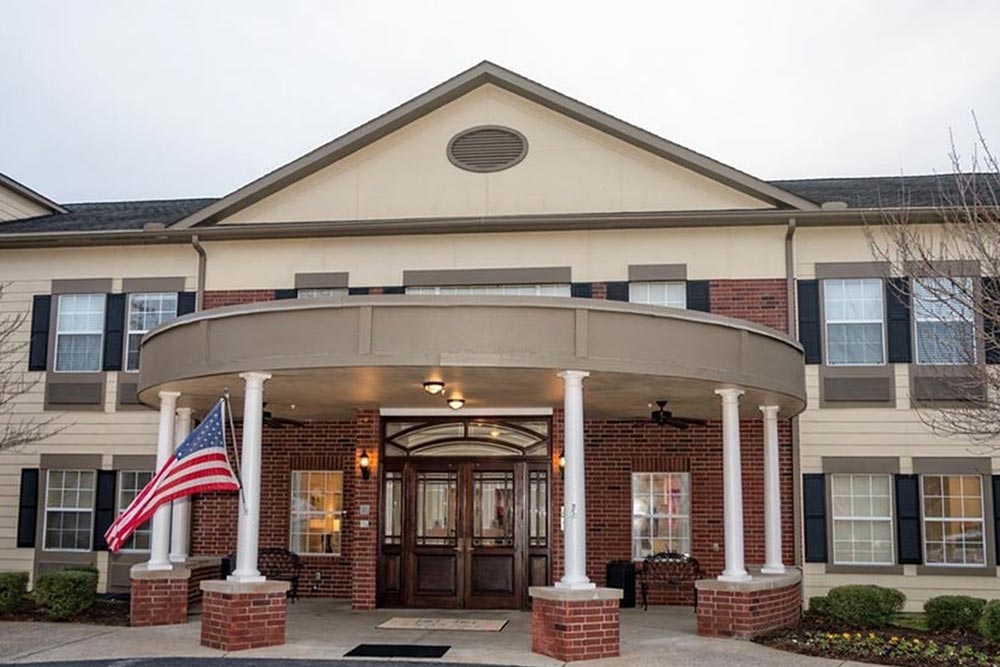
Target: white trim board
[(468, 412)]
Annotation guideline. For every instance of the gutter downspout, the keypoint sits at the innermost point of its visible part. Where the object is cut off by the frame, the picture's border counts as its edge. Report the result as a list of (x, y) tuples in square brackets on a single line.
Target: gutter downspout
[(793, 331), (199, 299)]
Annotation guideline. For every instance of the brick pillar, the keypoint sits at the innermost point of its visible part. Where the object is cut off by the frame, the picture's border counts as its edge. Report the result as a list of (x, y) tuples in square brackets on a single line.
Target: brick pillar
[(575, 624), (364, 527), (236, 616), (159, 597), (744, 610)]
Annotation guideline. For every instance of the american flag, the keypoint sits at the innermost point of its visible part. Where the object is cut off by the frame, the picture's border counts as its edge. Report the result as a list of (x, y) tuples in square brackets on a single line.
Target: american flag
[(198, 464)]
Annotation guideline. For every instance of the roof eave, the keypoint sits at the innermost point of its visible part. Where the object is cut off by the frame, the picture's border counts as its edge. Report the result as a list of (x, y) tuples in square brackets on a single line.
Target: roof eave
[(31, 195)]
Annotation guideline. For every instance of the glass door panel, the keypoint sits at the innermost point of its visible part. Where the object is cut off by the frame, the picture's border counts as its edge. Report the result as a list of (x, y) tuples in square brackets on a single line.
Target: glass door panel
[(437, 516)]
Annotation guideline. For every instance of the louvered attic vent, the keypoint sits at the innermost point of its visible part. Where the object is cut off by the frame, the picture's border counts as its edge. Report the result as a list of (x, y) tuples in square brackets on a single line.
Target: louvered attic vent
[(487, 148)]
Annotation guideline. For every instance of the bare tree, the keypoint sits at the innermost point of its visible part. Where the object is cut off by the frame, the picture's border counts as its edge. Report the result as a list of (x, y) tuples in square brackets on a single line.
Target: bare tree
[(17, 429), (951, 263)]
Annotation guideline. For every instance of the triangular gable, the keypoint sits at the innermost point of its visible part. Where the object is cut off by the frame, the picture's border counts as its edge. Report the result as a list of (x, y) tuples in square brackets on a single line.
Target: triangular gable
[(18, 201), (724, 187)]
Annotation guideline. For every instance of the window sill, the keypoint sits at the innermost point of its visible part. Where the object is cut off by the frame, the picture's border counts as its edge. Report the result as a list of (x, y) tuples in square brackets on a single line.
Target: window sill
[(832, 568), (323, 556), (951, 570)]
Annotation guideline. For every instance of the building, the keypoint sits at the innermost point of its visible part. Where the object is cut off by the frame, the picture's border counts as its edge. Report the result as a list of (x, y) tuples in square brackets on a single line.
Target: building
[(558, 271)]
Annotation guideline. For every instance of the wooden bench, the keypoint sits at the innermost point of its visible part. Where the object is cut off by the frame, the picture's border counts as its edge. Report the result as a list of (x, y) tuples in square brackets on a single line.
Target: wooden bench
[(667, 570)]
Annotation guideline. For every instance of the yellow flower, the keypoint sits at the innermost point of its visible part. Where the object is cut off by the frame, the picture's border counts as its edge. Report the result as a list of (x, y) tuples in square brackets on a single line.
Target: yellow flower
[(894, 639), (871, 635), (847, 635)]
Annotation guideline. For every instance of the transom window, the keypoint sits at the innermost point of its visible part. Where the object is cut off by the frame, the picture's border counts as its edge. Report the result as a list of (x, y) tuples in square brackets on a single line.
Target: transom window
[(862, 519), (943, 321), (316, 512), (69, 509), (79, 332), (130, 483), (669, 294), (854, 322), (954, 531), (495, 290), (322, 292), (146, 311), (661, 513)]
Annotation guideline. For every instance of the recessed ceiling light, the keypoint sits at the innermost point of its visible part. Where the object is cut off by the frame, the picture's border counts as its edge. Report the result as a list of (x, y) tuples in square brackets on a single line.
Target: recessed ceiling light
[(456, 402), (433, 387)]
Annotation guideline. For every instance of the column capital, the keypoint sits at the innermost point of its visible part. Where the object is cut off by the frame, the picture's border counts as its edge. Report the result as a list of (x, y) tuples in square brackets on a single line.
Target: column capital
[(573, 377), (184, 412), (730, 393), (769, 410), (255, 377), (169, 396)]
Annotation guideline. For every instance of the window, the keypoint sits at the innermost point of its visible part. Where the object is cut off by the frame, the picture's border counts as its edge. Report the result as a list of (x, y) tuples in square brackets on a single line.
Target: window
[(69, 509), (130, 483), (145, 312), (79, 332), (943, 321), (953, 520), (316, 512), (322, 293), (495, 290), (862, 519), (854, 322), (661, 517), (671, 295)]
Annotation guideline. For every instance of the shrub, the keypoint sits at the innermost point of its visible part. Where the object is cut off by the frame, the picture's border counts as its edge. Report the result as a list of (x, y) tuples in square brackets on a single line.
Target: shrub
[(863, 607), (954, 612), (13, 586), (989, 623), (80, 568), (66, 593), (818, 605)]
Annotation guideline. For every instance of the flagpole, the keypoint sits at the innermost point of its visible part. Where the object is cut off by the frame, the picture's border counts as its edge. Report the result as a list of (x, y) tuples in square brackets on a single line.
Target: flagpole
[(236, 449)]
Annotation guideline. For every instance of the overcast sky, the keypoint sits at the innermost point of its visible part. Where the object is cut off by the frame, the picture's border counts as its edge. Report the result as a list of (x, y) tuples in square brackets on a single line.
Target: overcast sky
[(136, 99)]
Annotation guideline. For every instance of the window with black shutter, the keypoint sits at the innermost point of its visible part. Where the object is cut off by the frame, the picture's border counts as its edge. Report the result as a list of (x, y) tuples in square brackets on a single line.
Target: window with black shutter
[(38, 352), (814, 517), (27, 508), (809, 321), (908, 520)]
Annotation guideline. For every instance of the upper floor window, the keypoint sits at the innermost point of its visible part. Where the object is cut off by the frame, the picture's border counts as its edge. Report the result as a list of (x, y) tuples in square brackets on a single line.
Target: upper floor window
[(146, 311), (943, 321), (495, 290), (316, 512), (862, 519), (79, 332), (670, 294), (954, 529), (855, 322), (130, 483), (661, 513), (69, 509), (321, 292)]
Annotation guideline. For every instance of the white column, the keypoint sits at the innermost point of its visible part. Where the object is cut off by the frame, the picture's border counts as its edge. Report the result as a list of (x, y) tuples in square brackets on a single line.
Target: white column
[(732, 486), (772, 493), (159, 550), (574, 488), (250, 464), (180, 525)]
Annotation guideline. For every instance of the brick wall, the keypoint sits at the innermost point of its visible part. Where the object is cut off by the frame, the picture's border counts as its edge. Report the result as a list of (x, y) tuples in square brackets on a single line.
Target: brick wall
[(747, 614), (158, 601), (220, 298), (761, 301), (575, 630), (244, 621)]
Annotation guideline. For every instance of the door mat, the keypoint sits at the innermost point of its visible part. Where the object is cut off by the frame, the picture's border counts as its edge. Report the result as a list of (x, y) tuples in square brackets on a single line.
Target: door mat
[(454, 624), (396, 651)]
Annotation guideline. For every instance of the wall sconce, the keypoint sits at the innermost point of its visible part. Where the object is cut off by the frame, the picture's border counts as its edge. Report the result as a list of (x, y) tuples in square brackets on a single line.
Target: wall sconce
[(562, 464), (456, 402), (365, 463), (434, 387)]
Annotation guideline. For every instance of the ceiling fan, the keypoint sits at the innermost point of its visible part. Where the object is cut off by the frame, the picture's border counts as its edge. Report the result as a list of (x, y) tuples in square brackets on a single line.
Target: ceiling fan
[(664, 417), (270, 421)]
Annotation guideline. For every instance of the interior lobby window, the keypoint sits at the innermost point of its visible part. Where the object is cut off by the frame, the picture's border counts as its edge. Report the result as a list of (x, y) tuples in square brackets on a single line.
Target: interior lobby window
[(392, 530), (437, 496), (322, 292), (69, 509), (669, 294), (493, 508), (146, 311), (954, 531), (538, 508), (944, 327), (79, 332), (854, 322), (130, 483), (494, 290), (862, 519), (661, 515), (316, 511)]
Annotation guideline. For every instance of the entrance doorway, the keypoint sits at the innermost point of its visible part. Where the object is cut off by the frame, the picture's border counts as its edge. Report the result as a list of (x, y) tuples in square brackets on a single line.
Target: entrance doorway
[(465, 518)]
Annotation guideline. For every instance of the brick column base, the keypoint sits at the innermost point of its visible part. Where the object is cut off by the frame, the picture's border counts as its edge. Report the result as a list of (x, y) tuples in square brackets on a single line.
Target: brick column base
[(569, 624), (745, 610), (236, 616), (159, 597)]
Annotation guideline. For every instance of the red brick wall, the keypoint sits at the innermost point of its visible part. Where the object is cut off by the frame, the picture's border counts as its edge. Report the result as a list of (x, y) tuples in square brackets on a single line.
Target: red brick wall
[(158, 602), (219, 298), (748, 614), (762, 301), (575, 630), (236, 622)]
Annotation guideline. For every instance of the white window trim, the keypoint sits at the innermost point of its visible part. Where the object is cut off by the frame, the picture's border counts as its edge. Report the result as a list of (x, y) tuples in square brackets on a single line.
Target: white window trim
[(100, 347), (129, 331), (826, 326), (954, 318), (981, 520), (337, 515), (652, 516), (648, 283), (47, 509), (119, 509), (450, 290), (891, 520), (321, 292)]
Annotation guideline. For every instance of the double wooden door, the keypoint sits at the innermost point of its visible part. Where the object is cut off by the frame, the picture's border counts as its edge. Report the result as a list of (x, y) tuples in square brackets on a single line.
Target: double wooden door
[(471, 534)]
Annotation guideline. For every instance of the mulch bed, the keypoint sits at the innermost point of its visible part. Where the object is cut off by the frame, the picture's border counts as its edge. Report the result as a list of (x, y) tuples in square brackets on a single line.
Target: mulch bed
[(106, 611)]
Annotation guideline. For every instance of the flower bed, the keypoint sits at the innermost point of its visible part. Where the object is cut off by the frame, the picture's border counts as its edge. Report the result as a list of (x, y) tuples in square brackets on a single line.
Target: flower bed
[(105, 611)]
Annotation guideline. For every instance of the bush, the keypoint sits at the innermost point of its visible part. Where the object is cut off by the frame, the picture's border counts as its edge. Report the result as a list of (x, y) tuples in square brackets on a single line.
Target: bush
[(819, 605), (954, 612), (80, 568), (66, 593), (864, 607), (13, 586), (989, 623)]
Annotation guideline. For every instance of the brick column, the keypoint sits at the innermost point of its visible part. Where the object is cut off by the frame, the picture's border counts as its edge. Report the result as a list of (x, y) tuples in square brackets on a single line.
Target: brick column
[(575, 624), (236, 616), (364, 527), (744, 610), (159, 597)]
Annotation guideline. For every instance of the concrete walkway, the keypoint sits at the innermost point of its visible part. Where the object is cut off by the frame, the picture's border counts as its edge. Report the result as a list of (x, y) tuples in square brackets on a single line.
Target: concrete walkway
[(326, 629)]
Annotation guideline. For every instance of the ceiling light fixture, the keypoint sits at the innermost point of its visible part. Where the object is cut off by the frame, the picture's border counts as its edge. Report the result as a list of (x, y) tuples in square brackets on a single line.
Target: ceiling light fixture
[(456, 402), (433, 387)]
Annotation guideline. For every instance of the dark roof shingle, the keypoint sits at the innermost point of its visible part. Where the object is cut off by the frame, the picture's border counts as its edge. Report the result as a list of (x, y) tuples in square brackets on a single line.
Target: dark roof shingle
[(880, 191), (107, 216)]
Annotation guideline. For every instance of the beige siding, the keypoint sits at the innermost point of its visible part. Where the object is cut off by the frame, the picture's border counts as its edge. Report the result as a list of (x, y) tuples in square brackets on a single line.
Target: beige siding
[(14, 207)]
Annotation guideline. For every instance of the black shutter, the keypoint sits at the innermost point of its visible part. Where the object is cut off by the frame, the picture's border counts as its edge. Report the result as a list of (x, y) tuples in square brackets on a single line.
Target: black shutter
[(814, 516), (286, 294), (616, 291), (990, 299), (809, 324), (699, 296), (41, 311), (897, 299), (580, 290), (114, 331), (27, 508), (996, 511), (185, 303), (398, 289), (104, 507), (908, 520), (357, 291)]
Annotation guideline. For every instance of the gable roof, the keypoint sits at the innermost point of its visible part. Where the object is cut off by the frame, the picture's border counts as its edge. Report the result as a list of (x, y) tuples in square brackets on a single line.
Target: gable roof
[(29, 194), (108, 216), (452, 89)]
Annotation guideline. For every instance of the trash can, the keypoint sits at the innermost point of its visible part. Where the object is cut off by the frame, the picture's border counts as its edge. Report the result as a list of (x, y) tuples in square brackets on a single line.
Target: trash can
[(621, 575)]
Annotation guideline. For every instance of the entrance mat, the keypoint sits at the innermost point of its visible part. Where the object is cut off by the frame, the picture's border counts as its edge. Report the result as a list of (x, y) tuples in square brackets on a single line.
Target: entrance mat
[(396, 651), (454, 624)]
